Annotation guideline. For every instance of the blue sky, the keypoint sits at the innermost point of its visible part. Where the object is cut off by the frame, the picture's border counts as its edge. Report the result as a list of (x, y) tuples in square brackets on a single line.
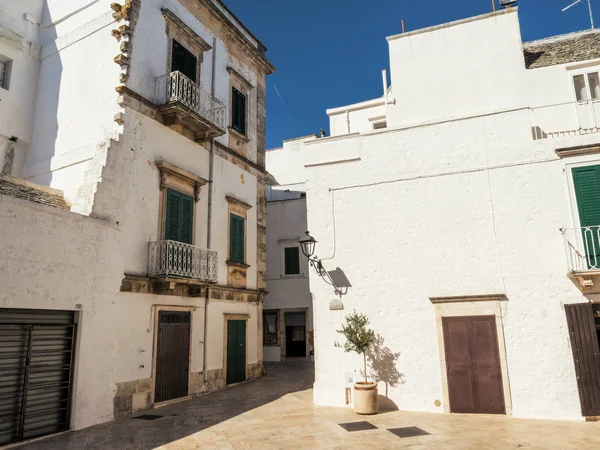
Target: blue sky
[(330, 53)]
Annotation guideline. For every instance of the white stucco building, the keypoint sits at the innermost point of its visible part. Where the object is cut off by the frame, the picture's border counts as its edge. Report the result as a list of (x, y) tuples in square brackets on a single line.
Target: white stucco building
[(288, 322), (449, 204), (132, 207)]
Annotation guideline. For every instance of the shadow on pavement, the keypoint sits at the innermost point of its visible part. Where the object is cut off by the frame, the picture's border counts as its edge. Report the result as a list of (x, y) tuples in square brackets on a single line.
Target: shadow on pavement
[(187, 417)]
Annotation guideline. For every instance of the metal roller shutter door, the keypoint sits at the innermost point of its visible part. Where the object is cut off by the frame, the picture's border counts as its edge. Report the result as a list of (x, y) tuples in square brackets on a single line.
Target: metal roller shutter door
[(36, 348), (295, 319)]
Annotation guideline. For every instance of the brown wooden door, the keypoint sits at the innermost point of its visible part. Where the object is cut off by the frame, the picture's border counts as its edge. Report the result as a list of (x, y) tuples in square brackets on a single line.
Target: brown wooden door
[(172, 355), (473, 365), (584, 344)]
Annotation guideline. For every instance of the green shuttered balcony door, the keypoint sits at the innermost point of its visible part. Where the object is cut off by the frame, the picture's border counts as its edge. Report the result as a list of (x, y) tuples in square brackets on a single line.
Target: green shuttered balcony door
[(587, 190), (180, 217)]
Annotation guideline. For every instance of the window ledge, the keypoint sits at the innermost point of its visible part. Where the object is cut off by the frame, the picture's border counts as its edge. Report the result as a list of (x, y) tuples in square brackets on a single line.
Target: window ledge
[(296, 275), (237, 134), (237, 264)]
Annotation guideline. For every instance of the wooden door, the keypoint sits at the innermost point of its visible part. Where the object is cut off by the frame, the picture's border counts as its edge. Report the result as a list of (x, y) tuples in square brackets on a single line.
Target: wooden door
[(236, 351), (172, 355), (584, 344), (473, 365)]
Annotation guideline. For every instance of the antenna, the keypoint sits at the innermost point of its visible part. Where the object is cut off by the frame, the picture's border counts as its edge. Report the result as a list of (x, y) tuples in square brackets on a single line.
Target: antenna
[(589, 2)]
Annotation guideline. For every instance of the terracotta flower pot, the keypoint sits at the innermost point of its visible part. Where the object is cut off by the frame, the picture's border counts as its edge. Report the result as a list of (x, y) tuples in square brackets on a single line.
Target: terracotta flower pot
[(366, 398)]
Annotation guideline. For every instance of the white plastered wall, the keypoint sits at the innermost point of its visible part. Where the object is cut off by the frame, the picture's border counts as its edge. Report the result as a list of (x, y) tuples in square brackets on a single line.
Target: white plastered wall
[(432, 220), (68, 133)]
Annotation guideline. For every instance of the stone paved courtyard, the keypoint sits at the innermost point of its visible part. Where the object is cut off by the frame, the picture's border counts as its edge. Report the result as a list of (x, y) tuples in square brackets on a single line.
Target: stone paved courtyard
[(276, 412)]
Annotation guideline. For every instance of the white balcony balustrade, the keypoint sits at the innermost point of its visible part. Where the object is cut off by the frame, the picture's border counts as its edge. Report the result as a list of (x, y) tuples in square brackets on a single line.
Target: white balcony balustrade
[(583, 248), (565, 119), (177, 96), (173, 259)]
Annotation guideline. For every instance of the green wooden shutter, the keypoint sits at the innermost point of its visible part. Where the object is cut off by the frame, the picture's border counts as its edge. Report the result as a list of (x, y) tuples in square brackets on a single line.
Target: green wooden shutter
[(238, 111), (292, 260), (587, 191), (180, 217), (236, 238), (187, 219), (172, 220)]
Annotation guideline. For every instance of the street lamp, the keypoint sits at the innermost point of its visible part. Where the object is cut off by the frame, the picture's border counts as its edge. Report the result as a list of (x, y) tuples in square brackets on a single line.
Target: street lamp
[(308, 243)]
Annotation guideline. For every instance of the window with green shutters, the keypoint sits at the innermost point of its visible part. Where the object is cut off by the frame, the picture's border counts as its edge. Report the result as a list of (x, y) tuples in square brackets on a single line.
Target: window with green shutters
[(180, 217), (291, 260), (237, 228), (238, 111), (587, 191)]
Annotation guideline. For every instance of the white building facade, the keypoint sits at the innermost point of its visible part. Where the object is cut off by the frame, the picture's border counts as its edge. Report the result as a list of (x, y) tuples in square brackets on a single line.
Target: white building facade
[(287, 314), (448, 203), (132, 149)]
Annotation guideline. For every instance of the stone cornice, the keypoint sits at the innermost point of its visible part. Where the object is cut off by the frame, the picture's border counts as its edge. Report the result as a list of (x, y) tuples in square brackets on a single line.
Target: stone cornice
[(172, 169), (469, 298), (239, 202), (247, 85), (579, 150), (182, 28)]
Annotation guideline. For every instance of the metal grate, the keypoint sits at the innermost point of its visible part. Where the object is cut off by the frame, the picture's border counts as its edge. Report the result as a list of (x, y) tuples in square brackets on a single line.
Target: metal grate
[(357, 426), (36, 349), (147, 417), (406, 432)]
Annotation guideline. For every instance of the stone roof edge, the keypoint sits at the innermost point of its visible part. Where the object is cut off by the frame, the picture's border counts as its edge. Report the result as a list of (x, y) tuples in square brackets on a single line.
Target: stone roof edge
[(259, 50), (559, 37)]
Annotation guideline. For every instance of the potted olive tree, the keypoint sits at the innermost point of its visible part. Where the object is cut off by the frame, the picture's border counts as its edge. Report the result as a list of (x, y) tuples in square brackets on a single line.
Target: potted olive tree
[(358, 339)]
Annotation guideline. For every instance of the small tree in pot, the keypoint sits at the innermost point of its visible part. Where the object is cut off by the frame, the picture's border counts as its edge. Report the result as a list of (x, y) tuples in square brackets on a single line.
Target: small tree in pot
[(359, 339)]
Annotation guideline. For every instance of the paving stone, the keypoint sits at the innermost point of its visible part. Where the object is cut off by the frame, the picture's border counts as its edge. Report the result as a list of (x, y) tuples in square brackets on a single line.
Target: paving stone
[(276, 412)]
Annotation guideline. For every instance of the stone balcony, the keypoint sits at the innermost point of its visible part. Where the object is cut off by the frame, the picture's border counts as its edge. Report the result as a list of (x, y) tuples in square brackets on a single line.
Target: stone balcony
[(188, 108), (174, 264)]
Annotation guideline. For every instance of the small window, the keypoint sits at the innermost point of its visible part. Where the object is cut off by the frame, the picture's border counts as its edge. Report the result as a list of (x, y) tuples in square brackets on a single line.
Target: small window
[(238, 111), (179, 220), (379, 125), (580, 88), (237, 225), (184, 61), (292, 260), (270, 328), (5, 67), (594, 83)]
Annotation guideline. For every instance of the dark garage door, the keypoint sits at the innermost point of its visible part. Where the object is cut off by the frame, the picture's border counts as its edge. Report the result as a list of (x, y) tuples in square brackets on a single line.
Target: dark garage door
[(473, 365), (36, 354)]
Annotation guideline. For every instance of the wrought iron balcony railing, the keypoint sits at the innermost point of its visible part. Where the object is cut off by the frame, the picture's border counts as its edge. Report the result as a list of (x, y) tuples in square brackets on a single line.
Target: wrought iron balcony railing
[(176, 259), (565, 119), (176, 87), (583, 248)]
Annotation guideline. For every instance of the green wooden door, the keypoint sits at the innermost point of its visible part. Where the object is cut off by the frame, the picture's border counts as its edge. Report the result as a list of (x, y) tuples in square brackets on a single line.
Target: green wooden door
[(180, 217), (236, 351), (587, 190)]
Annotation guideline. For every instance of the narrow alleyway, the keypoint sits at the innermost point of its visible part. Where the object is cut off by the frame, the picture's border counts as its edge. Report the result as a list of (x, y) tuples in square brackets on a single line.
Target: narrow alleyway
[(276, 412)]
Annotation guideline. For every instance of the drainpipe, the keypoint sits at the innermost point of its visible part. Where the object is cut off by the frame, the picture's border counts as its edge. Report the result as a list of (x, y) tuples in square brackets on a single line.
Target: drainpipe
[(209, 214)]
